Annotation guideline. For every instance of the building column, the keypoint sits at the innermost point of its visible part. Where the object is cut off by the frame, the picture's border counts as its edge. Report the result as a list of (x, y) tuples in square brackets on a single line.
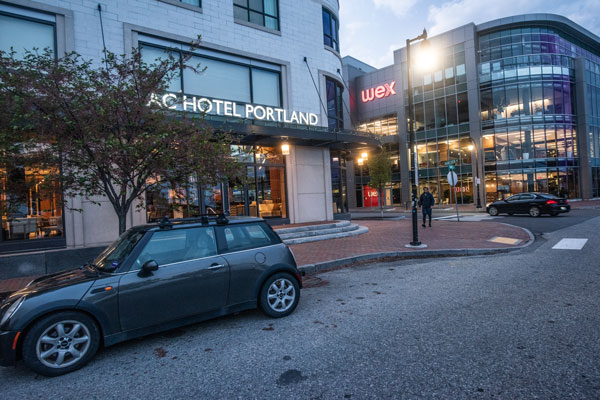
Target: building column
[(585, 169)]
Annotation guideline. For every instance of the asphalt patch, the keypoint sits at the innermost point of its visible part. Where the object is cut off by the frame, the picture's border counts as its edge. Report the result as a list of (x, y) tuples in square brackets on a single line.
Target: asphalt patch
[(290, 377)]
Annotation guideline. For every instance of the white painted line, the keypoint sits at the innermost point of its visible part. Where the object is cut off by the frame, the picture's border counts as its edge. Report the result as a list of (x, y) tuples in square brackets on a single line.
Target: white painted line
[(570, 244)]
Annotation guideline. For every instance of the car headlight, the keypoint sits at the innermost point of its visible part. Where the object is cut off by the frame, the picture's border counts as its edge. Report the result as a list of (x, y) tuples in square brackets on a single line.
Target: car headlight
[(12, 310)]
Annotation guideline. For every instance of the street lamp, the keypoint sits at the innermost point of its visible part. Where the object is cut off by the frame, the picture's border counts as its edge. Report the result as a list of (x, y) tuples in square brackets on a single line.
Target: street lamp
[(477, 180), (411, 132)]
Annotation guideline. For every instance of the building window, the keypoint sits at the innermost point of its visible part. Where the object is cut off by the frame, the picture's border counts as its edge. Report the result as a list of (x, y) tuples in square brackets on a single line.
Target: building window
[(386, 126), (262, 193), (197, 3), (223, 79), (330, 30), (31, 34), (31, 201), (335, 116), (260, 12)]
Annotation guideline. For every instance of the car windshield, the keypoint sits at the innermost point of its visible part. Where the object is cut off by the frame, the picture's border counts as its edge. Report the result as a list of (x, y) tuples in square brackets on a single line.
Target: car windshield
[(114, 254), (550, 196)]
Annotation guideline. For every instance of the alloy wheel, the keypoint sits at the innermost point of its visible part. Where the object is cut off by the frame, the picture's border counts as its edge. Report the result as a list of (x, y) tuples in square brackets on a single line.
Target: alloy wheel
[(281, 295), (63, 344)]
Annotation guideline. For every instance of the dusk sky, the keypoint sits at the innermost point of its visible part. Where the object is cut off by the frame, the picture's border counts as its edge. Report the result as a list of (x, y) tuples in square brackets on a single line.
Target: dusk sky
[(371, 30)]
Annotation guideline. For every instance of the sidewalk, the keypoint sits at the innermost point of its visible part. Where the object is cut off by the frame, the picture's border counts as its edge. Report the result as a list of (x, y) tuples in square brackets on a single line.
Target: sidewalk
[(384, 238), (391, 236)]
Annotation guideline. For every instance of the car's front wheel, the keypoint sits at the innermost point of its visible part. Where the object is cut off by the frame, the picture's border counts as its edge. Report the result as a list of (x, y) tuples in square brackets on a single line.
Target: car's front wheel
[(493, 211), (61, 343), (279, 295), (534, 211)]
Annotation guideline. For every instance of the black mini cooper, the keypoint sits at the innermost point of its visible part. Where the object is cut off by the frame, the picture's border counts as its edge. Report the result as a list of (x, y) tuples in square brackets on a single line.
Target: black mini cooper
[(153, 278)]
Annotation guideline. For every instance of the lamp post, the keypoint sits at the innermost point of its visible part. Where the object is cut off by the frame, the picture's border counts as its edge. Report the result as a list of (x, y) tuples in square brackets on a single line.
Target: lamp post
[(362, 189), (471, 148), (411, 132)]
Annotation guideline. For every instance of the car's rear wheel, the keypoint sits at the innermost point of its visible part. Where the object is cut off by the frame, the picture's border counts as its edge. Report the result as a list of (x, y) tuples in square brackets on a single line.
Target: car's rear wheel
[(61, 343), (279, 295), (534, 211), (554, 213), (493, 211)]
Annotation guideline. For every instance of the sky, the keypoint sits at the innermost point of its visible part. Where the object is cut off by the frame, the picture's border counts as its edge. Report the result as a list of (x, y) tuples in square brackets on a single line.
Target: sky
[(370, 30)]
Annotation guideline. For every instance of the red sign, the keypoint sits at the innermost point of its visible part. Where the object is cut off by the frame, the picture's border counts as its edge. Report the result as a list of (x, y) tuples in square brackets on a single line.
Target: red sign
[(370, 197), (378, 92)]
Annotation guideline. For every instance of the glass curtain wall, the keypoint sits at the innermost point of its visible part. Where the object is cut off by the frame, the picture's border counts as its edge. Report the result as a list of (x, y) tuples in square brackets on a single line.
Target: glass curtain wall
[(338, 181), (528, 112), (441, 117)]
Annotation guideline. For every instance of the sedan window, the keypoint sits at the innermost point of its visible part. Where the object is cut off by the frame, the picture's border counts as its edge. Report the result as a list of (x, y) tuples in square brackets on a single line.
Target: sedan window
[(514, 198), (168, 247)]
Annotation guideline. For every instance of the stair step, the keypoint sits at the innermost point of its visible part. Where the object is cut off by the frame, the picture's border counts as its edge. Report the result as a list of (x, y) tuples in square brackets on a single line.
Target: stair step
[(319, 232), (339, 235), (305, 228)]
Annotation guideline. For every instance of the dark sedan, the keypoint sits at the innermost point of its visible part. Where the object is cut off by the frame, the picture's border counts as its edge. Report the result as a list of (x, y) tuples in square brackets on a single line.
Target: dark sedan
[(534, 204), (154, 277)]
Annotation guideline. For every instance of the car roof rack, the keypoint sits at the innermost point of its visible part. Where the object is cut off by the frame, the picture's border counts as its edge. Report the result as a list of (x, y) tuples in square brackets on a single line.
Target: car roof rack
[(221, 219)]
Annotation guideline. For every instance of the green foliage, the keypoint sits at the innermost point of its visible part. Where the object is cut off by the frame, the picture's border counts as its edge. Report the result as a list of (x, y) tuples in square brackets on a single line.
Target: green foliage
[(380, 170), (112, 140)]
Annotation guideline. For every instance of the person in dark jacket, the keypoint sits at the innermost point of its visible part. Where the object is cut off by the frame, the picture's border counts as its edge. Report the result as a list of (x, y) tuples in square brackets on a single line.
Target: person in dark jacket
[(426, 201)]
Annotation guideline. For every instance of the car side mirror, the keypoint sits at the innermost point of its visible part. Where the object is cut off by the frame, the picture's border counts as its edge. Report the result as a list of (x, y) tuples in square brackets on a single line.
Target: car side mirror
[(148, 267)]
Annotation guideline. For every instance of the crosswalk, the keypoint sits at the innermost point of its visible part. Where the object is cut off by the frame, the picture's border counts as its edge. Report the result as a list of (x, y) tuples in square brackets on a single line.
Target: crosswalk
[(570, 244), (468, 218)]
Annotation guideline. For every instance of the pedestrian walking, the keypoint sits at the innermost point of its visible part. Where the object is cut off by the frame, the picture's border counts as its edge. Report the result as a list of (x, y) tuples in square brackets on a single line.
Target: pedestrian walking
[(426, 201)]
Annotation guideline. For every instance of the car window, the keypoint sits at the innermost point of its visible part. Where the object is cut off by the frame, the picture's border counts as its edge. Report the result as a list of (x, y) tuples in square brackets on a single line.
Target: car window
[(247, 236), (172, 246), (527, 197), (514, 198)]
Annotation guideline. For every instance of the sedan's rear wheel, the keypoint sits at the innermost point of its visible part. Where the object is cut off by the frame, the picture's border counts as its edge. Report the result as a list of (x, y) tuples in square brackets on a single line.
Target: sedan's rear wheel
[(493, 211), (554, 213), (534, 211), (61, 343), (279, 295)]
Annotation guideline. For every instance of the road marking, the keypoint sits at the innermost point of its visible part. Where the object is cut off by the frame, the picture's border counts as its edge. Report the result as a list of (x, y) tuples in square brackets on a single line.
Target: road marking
[(505, 240), (570, 244), (471, 218)]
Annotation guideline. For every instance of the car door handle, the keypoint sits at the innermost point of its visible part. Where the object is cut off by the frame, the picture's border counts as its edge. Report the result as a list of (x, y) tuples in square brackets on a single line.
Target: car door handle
[(216, 266)]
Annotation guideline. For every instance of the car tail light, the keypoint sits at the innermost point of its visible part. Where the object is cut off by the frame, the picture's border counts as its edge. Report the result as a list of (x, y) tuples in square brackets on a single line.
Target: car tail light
[(566, 201), (551, 202)]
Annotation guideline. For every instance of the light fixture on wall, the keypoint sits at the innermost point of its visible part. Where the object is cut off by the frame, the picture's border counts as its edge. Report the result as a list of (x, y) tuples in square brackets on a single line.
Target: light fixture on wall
[(360, 161), (285, 149), (365, 155)]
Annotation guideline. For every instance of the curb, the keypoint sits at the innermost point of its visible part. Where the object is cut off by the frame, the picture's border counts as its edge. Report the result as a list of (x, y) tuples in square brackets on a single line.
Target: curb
[(310, 269)]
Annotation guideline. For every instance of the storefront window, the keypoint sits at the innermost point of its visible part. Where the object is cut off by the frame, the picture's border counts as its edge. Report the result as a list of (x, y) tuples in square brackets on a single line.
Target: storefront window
[(30, 202)]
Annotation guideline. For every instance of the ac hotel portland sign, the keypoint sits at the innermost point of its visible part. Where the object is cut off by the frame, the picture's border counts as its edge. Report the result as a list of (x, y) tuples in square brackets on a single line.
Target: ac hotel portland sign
[(233, 109)]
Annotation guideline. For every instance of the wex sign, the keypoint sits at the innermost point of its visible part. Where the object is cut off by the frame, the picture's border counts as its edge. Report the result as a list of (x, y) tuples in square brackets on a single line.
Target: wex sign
[(378, 92), (233, 109)]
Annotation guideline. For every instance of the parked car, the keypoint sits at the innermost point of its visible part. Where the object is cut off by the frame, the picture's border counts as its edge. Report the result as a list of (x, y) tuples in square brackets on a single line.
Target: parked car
[(153, 278), (534, 204)]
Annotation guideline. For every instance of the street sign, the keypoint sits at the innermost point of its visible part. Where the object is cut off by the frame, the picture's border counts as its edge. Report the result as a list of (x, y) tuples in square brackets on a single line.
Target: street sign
[(451, 167), (452, 178), (477, 181), (450, 162)]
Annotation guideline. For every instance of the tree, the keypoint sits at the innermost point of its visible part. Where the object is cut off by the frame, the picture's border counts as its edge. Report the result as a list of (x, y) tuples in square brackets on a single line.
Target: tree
[(380, 173), (100, 124)]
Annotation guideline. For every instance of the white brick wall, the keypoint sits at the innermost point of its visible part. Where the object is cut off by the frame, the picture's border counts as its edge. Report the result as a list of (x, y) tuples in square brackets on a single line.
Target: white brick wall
[(300, 25)]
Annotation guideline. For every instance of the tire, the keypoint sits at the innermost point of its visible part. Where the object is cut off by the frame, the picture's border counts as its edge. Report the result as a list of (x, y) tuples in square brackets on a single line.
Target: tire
[(534, 211), (279, 295), (554, 213), (510, 213), (493, 211), (85, 341)]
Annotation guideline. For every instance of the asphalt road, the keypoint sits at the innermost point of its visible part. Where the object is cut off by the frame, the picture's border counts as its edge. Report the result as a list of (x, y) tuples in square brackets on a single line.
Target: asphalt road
[(522, 325)]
